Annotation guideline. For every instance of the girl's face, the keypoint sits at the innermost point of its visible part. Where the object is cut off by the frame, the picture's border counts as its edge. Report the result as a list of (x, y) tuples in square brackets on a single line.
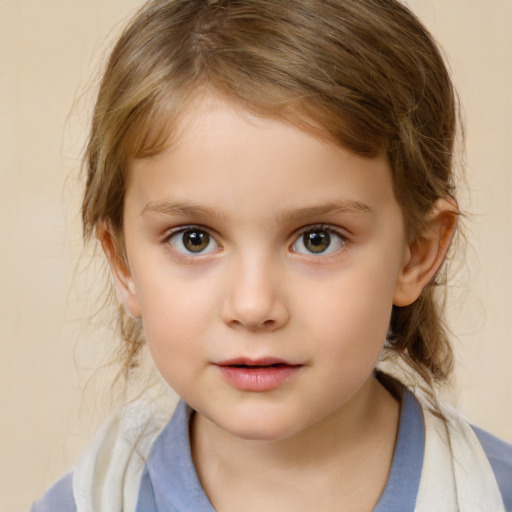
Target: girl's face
[(264, 263)]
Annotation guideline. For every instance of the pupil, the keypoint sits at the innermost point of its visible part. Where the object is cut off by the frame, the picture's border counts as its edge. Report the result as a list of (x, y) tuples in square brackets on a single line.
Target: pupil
[(317, 241), (196, 241)]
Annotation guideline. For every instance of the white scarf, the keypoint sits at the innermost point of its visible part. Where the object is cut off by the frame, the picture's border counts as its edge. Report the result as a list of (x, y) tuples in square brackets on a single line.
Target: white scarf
[(456, 474)]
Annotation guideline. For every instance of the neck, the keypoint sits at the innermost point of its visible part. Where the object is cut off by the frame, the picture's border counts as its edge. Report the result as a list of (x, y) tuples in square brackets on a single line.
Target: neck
[(340, 451)]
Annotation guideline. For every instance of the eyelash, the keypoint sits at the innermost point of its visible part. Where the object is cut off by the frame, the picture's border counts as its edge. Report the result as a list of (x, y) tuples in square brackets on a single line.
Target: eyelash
[(188, 256), (326, 228), (298, 237)]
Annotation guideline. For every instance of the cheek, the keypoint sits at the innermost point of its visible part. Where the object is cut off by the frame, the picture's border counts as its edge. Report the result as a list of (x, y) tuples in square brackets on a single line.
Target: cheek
[(174, 335), (360, 304), (170, 296), (174, 315), (351, 320)]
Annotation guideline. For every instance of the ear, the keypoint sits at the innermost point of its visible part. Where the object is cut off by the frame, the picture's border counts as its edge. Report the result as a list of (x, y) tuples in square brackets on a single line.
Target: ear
[(112, 247), (425, 255)]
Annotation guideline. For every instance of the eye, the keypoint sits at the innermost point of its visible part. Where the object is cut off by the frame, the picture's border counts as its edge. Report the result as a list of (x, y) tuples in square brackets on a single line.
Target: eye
[(319, 240), (193, 241)]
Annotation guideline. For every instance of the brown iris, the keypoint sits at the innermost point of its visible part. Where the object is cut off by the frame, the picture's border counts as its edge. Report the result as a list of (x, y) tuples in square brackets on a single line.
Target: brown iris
[(196, 240), (316, 241)]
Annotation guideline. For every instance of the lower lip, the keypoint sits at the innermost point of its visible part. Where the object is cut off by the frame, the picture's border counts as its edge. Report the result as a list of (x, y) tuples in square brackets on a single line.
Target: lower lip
[(258, 379)]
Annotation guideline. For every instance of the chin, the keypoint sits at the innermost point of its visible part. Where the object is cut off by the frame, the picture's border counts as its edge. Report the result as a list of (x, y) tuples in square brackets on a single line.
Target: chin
[(266, 428)]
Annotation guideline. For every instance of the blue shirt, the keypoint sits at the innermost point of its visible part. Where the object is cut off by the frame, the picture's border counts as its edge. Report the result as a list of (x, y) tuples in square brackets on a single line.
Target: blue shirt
[(170, 482)]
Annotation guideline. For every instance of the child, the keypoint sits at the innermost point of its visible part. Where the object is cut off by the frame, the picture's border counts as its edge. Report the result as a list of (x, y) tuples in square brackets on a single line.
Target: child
[(271, 183)]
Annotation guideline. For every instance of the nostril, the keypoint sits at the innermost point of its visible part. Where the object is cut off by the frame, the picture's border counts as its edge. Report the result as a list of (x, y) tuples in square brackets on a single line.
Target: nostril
[(256, 326), (266, 314)]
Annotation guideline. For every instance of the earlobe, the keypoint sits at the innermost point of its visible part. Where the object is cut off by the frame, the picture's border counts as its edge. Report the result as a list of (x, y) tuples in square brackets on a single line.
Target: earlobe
[(118, 264), (424, 256)]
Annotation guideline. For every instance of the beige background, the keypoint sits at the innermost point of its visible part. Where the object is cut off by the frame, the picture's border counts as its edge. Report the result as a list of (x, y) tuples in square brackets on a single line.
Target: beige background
[(49, 50)]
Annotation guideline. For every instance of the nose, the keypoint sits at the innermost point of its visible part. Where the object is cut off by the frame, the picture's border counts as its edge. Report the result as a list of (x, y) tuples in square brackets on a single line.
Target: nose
[(255, 299)]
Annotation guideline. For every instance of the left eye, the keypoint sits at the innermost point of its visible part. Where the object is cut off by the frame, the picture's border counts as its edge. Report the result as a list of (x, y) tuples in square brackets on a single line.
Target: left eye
[(319, 241), (193, 241)]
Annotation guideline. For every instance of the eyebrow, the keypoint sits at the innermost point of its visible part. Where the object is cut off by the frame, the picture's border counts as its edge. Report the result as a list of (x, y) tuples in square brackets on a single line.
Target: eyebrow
[(352, 207), (295, 214), (180, 208)]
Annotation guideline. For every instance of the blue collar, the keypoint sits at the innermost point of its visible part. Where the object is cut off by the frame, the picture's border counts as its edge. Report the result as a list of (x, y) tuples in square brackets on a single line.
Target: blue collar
[(170, 482), (403, 483)]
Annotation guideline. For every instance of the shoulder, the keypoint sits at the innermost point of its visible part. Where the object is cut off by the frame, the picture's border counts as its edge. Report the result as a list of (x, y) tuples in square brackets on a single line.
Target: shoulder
[(59, 498), (455, 452), (499, 454), (108, 475)]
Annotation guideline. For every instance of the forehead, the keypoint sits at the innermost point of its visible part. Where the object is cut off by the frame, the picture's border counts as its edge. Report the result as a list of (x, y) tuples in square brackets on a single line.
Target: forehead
[(220, 152)]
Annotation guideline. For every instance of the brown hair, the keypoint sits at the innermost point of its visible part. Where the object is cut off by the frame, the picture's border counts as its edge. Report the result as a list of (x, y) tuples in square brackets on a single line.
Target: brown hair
[(364, 72)]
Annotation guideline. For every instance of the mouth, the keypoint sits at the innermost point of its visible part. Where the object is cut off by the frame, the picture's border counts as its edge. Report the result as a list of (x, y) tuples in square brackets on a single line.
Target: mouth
[(257, 375), (246, 361)]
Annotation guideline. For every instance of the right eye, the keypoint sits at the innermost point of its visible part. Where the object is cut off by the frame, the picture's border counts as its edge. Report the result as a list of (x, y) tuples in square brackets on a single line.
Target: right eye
[(191, 241)]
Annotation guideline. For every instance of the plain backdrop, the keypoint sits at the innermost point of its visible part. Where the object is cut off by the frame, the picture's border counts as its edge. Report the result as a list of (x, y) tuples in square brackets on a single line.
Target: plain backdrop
[(50, 51)]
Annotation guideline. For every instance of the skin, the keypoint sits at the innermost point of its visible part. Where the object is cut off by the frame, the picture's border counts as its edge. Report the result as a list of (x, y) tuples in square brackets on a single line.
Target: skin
[(325, 437)]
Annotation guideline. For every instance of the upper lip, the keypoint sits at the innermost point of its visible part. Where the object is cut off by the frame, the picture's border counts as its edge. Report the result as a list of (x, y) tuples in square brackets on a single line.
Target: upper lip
[(264, 361)]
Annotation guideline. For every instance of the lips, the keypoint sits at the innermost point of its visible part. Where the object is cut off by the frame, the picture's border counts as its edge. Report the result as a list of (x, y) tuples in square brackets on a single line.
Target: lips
[(257, 375)]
